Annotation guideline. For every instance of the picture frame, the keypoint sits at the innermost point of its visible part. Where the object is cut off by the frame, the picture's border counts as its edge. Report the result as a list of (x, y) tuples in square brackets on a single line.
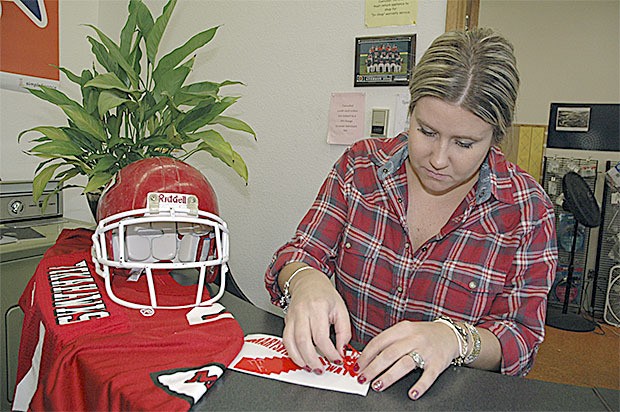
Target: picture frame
[(384, 60), (573, 119)]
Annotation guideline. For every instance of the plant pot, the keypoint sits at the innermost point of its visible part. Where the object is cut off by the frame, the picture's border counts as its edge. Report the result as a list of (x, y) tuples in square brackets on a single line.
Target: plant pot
[(93, 201)]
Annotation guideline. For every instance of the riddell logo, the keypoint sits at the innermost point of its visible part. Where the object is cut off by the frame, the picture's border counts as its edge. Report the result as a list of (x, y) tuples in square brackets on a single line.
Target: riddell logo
[(172, 198)]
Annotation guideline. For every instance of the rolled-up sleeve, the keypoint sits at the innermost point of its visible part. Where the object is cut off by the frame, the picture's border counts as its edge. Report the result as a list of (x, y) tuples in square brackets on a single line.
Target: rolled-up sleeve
[(518, 314), (316, 238)]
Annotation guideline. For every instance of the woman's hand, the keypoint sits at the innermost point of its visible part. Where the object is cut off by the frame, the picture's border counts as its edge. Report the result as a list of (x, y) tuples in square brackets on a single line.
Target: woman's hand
[(315, 305), (386, 358)]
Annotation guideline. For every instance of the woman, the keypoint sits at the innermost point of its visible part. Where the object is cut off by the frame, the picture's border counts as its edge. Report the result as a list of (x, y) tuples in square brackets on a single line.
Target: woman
[(441, 250)]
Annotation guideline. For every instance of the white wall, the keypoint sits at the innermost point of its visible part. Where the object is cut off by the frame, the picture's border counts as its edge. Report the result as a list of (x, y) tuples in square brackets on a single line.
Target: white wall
[(567, 51)]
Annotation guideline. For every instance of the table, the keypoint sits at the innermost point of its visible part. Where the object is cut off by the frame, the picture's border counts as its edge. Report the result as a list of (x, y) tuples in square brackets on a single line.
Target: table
[(456, 389), (81, 351)]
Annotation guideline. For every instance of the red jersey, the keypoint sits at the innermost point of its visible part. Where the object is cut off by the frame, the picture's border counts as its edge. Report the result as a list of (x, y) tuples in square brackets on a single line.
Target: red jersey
[(81, 351)]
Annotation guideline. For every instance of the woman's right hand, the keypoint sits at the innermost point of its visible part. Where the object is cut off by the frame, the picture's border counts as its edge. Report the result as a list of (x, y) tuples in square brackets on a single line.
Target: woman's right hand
[(315, 305)]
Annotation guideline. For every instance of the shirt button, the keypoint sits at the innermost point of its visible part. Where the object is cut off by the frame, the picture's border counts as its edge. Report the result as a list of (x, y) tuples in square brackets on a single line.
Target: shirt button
[(347, 245), (399, 289), (399, 200), (424, 249), (385, 170), (473, 285), (407, 246)]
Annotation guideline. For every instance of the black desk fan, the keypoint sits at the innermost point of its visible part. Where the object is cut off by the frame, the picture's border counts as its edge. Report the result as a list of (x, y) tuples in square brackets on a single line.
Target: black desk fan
[(578, 200)]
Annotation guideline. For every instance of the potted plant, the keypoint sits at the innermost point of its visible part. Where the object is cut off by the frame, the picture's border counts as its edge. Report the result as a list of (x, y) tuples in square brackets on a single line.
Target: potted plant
[(134, 106)]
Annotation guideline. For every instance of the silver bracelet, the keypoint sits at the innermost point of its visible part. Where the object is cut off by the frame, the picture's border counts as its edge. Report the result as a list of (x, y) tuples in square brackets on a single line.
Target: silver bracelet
[(285, 299), (475, 352), (461, 337)]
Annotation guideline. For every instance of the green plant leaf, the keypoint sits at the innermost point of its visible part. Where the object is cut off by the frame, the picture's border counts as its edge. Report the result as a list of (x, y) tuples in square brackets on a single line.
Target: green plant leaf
[(172, 81), (108, 81), (144, 19), (91, 100), (97, 181), (83, 140), (239, 166), (57, 149), (52, 133), (183, 98), (157, 31), (235, 124), (42, 179), (200, 87), (53, 96), (67, 174), (102, 55), (135, 57), (202, 115), (109, 100), (214, 143), (70, 75), (116, 54), (128, 31), (104, 164), (192, 94), (63, 177), (85, 77), (172, 59), (157, 141), (85, 122)]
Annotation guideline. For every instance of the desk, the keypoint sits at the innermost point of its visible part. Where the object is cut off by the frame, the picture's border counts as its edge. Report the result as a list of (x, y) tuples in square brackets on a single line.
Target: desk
[(123, 360), (456, 389)]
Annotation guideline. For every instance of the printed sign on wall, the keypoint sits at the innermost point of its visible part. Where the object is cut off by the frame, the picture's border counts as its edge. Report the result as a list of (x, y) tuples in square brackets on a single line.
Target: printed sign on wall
[(29, 43)]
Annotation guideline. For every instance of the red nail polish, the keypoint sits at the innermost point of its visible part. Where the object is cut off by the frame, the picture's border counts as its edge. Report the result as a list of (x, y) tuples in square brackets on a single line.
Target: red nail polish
[(414, 395), (356, 368), (337, 362), (307, 368), (361, 379), (318, 371), (377, 385)]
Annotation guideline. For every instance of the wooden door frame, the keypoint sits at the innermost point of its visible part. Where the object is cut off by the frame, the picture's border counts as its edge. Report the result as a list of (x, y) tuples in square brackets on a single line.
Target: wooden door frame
[(462, 14)]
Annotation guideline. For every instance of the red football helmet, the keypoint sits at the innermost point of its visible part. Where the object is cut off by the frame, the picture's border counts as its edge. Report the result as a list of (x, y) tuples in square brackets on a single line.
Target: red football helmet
[(156, 215)]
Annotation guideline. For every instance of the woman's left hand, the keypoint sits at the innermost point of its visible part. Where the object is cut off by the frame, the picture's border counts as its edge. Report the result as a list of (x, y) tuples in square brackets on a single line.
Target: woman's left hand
[(387, 357)]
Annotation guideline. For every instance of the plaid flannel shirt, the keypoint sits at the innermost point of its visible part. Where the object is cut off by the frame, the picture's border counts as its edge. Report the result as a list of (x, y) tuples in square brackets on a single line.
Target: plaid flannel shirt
[(491, 265)]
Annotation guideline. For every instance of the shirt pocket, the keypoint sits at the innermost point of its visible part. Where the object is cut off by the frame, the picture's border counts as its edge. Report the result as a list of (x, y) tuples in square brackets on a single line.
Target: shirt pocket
[(469, 293), (358, 253)]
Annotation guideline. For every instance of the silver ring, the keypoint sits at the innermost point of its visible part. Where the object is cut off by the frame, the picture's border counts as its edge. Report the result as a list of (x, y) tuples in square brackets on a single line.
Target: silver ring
[(417, 358)]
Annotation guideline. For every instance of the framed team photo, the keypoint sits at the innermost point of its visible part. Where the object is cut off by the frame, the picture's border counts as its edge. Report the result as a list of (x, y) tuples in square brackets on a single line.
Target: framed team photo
[(384, 60)]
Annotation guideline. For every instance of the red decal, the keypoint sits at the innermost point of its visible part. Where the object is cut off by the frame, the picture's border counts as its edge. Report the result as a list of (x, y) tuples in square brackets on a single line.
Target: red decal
[(203, 377), (267, 366)]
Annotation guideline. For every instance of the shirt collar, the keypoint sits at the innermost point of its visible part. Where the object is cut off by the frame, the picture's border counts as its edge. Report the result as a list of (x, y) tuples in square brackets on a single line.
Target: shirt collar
[(494, 178)]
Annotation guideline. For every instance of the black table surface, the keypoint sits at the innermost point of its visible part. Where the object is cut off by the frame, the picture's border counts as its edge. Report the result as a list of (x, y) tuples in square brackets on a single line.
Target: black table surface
[(462, 389)]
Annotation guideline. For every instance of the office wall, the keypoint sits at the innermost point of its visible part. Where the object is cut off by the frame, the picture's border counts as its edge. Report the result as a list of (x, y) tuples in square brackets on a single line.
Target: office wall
[(291, 55), (567, 51)]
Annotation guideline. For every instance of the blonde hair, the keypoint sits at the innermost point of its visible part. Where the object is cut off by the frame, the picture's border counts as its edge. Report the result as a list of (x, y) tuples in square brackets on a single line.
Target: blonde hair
[(475, 70)]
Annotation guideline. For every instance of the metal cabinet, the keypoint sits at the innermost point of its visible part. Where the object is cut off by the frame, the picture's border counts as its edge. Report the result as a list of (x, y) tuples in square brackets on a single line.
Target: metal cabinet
[(14, 275)]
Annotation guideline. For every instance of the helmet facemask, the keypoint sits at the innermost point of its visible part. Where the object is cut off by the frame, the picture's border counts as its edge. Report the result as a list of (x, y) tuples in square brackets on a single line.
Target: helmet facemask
[(171, 233)]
